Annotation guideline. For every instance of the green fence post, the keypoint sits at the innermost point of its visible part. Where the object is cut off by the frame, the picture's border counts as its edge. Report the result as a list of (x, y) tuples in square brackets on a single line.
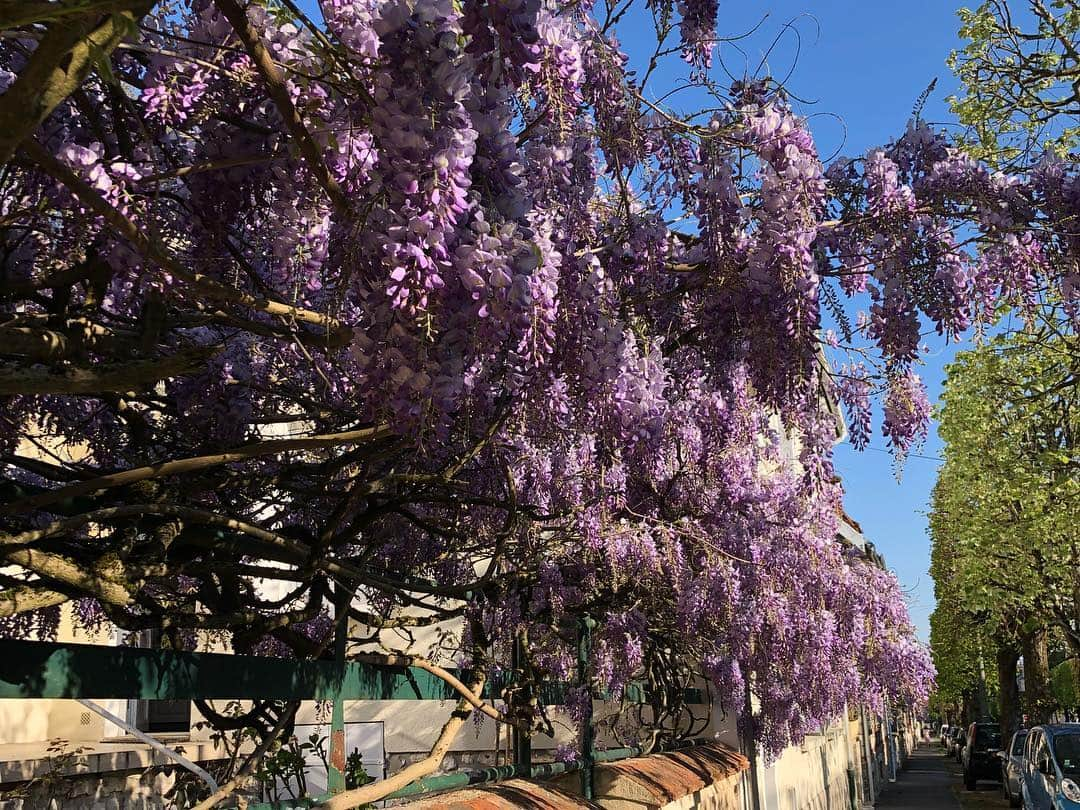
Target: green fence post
[(587, 743), (335, 775)]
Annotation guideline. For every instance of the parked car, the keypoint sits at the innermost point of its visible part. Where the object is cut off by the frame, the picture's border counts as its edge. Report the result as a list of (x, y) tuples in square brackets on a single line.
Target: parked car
[(1052, 768), (944, 734), (961, 742), (1012, 765), (979, 756), (952, 742)]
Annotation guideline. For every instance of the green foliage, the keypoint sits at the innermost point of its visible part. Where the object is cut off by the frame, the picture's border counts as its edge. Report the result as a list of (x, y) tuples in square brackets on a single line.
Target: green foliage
[(1020, 71), (46, 789), (355, 773), (1006, 505), (1063, 683)]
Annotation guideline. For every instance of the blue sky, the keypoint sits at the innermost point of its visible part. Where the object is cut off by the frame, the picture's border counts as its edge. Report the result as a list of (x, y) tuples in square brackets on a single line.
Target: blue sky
[(860, 68)]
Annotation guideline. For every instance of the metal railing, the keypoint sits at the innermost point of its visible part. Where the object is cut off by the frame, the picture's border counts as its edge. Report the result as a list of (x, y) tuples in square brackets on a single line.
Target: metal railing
[(39, 669)]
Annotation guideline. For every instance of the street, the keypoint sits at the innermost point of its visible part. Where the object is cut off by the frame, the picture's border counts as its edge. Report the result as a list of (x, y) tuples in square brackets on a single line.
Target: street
[(932, 781)]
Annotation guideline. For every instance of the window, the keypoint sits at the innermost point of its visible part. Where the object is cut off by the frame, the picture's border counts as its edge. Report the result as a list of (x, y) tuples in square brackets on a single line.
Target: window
[(157, 716), (1032, 749), (987, 737), (1018, 744), (1067, 753), (1041, 754)]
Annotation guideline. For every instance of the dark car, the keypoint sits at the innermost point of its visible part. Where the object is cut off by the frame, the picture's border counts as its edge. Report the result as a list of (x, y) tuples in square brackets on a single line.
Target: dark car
[(952, 741), (979, 758)]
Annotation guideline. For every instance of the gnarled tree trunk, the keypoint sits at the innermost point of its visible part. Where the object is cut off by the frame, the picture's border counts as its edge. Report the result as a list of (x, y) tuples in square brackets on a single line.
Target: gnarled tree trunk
[(1038, 699)]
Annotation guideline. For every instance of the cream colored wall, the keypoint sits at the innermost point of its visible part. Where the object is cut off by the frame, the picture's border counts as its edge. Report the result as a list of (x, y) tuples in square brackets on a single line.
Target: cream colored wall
[(812, 776), (411, 726), (31, 720), (723, 795)]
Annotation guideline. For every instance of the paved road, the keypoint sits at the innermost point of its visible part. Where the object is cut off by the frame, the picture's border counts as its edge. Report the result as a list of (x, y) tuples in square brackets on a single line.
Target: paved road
[(925, 784)]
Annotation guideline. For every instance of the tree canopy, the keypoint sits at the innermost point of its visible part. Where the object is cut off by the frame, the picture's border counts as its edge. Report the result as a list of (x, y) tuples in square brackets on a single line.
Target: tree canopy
[(1020, 71)]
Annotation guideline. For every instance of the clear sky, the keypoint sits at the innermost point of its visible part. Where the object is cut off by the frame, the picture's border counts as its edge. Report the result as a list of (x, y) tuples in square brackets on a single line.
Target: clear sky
[(861, 65)]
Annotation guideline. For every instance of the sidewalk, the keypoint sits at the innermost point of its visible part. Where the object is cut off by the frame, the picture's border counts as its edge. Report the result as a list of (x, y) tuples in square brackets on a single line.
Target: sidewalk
[(925, 784)]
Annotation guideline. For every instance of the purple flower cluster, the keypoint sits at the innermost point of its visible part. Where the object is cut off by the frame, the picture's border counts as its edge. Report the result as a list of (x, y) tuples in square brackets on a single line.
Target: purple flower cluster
[(907, 411), (855, 387), (698, 32)]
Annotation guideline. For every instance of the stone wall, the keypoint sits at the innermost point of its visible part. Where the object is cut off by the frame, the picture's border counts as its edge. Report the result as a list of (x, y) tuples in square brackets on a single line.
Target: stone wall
[(114, 790)]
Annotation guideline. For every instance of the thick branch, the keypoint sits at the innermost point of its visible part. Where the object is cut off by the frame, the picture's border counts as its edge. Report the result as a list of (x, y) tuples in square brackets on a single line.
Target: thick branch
[(64, 570), (418, 770), (186, 465), (24, 12), (118, 378), (53, 344), (56, 68), (134, 510), (28, 597)]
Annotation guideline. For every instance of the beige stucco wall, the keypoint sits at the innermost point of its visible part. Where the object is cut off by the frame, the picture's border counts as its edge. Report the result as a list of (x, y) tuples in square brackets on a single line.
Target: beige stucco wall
[(723, 795), (811, 776), (28, 720)]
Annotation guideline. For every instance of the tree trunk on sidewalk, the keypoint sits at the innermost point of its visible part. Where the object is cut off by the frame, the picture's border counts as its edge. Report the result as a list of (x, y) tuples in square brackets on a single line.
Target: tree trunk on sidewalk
[(1008, 692), (1038, 699), (969, 712)]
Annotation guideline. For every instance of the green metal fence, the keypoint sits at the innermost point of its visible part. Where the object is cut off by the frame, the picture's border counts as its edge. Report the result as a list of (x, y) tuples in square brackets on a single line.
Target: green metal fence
[(37, 669)]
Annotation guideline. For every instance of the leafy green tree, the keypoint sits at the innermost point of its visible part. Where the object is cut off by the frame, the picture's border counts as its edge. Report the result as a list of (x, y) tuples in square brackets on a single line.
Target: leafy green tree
[(1020, 70), (1006, 509)]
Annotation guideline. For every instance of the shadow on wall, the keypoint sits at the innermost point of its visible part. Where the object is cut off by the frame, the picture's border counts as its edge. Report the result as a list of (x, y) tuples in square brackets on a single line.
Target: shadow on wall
[(29, 721)]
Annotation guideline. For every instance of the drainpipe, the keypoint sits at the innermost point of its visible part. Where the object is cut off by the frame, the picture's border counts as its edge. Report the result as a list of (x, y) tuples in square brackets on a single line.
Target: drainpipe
[(751, 782), (890, 742), (179, 759)]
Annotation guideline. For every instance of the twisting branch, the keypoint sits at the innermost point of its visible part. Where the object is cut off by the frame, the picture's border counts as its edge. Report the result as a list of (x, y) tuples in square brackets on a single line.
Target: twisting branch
[(129, 376), (186, 465), (422, 663), (279, 93), (26, 598), (98, 582), (24, 12), (248, 768)]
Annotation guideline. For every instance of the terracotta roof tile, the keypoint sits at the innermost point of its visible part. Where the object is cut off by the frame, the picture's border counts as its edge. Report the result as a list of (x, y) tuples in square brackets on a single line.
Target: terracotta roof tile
[(514, 793), (651, 781), (670, 776)]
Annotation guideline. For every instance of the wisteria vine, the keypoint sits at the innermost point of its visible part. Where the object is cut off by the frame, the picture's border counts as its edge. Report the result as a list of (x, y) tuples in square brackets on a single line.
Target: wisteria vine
[(397, 292)]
